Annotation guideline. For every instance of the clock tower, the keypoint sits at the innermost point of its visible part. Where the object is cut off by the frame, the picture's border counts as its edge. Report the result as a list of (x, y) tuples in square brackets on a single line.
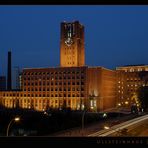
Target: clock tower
[(72, 45)]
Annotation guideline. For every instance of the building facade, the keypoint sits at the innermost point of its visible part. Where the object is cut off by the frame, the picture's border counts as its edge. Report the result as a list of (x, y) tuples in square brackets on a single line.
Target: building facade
[(72, 52), (77, 88), (129, 80)]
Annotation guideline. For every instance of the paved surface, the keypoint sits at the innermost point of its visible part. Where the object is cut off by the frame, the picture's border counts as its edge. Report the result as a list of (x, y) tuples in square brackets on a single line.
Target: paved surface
[(138, 130), (89, 129), (122, 129)]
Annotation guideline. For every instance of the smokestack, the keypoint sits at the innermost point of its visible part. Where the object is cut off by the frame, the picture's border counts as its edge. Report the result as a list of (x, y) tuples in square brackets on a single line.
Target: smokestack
[(9, 71)]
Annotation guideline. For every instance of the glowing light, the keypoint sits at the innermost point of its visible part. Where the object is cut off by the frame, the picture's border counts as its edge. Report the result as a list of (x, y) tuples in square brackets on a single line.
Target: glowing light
[(104, 115), (126, 102), (106, 127), (119, 104), (92, 107), (17, 119)]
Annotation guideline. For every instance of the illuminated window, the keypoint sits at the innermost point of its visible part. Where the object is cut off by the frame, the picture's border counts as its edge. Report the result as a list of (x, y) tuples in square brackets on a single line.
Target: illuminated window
[(131, 70), (95, 103), (91, 103)]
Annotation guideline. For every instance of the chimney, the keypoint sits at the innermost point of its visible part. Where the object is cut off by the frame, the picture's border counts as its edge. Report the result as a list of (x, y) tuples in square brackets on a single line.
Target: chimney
[(9, 71)]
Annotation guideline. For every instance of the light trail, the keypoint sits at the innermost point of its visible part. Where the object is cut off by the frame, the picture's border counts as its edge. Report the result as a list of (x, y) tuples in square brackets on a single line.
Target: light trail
[(119, 127)]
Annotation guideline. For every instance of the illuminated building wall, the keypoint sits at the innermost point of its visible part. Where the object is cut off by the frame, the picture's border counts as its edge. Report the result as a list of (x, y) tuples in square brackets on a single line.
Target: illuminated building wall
[(72, 45), (51, 87), (130, 78), (75, 87), (102, 87)]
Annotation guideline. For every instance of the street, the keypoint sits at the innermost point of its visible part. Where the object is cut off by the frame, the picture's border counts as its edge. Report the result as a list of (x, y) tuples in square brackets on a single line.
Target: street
[(134, 127)]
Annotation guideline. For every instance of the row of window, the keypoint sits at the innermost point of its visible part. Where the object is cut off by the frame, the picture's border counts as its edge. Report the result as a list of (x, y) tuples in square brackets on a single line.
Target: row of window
[(52, 83), (50, 73), (52, 95), (53, 78), (54, 89)]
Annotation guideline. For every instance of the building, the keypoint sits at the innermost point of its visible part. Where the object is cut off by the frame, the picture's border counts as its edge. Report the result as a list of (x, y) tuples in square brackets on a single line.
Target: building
[(72, 45), (72, 85), (2, 83), (75, 87), (129, 79), (16, 78)]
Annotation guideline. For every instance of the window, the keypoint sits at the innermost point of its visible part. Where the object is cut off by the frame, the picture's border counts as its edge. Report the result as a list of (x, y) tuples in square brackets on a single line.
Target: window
[(82, 95)]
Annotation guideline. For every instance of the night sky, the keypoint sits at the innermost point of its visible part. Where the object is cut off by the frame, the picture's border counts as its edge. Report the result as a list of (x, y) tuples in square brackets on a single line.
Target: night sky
[(114, 35)]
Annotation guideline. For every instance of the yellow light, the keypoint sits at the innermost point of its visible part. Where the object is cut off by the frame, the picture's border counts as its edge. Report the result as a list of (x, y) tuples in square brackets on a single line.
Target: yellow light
[(106, 127), (126, 102), (119, 104), (104, 115), (92, 107), (17, 119)]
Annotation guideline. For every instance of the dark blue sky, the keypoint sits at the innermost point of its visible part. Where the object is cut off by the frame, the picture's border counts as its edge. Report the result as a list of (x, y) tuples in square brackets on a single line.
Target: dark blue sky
[(114, 35)]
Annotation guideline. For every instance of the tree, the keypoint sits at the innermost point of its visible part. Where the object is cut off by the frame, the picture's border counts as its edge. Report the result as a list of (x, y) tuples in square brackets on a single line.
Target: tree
[(143, 97)]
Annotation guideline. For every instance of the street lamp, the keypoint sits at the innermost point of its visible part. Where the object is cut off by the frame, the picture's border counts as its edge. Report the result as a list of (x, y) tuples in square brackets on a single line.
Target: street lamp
[(85, 110), (106, 127), (16, 119)]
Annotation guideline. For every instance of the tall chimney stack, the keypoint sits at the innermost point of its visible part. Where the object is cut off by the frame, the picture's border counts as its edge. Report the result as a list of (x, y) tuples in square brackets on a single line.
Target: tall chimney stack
[(9, 85)]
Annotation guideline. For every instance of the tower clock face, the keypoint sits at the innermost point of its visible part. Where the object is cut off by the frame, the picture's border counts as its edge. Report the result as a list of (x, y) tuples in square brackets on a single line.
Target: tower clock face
[(68, 41), (69, 34)]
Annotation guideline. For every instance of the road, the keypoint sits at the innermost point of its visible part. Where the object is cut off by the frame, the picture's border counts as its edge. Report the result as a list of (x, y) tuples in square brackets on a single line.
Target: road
[(134, 127), (92, 128)]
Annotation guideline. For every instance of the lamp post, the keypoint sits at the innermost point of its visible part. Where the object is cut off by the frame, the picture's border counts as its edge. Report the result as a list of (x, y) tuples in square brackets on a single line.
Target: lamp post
[(16, 119), (119, 105), (83, 120)]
